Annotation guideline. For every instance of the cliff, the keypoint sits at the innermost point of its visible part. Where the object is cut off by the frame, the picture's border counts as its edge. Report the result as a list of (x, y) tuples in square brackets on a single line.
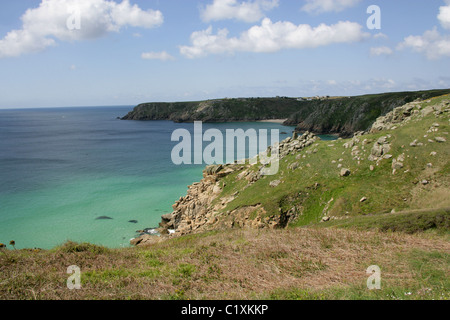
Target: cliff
[(341, 115), (221, 110), (345, 116)]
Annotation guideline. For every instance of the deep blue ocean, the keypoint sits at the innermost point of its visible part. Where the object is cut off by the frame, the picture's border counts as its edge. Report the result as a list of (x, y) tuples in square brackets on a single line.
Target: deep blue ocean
[(62, 168)]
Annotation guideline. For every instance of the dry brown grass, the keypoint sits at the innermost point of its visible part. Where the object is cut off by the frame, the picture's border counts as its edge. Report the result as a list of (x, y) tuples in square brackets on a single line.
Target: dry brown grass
[(238, 264)]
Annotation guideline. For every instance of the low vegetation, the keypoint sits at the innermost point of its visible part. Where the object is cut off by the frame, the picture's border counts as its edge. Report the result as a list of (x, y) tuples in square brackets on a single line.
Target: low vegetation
[(296, 263)]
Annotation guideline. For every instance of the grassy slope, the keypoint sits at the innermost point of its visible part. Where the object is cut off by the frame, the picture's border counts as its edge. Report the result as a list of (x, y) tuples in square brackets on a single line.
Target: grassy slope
[(309, 260), (295, 263), (317, 184), (351, 114)]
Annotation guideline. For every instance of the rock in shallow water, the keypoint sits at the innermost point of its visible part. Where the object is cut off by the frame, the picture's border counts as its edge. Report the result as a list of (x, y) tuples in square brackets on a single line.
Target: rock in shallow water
[(104, 218)]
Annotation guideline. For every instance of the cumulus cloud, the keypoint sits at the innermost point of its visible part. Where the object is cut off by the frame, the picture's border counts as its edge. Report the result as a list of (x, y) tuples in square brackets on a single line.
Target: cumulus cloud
[(247, 11), (321, 6), (73, 20), (444, 15), (379, 51), (272, 37), (380, 35), (431, 43), (163, 56)]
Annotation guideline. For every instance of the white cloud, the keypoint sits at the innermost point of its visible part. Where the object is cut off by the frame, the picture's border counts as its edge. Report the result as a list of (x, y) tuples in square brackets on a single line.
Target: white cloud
[(247, 11), (91, 19), (272, 37), (378, 51), (431, 43), (380, 35), (321, 6), (444, 15), (163, 56)]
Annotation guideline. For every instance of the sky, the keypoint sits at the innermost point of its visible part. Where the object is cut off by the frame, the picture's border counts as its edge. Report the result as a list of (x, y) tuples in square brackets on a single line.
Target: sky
[(58, 53)]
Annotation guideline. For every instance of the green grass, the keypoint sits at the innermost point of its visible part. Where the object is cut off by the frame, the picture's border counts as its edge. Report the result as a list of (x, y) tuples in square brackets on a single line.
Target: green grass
[(295, 263), (316, 185), (437, 221), (430, 281)]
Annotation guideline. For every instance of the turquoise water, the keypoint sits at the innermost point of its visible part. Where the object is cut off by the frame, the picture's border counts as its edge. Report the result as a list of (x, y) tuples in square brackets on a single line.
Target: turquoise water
[(61, 169)]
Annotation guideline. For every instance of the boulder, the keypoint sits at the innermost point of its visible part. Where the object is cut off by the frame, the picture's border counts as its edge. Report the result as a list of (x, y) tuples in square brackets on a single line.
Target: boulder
[(345, 172), (224, 173), (397, 165), (167, 221), (213, 169), (275, 183), (293, 166), (380, 148), (145, 240)]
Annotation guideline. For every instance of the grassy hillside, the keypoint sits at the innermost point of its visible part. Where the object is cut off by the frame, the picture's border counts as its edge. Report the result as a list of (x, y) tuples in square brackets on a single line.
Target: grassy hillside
[(296, 263), (315, 189), (346, 116), (398, 220)]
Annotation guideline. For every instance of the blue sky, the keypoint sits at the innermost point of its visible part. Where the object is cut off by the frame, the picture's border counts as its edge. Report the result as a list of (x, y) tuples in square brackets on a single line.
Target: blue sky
[(102, 52)]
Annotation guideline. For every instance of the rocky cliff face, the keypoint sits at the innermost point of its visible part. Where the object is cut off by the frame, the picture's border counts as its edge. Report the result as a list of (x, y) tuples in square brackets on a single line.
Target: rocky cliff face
[(347, 116), (202, 208)]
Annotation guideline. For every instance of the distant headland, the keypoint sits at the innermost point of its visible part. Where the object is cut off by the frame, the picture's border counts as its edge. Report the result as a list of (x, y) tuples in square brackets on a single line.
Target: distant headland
[(321, 115)]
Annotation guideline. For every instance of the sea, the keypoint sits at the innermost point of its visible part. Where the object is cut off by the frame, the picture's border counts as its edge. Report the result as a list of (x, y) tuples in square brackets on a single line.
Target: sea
[(84, 175)]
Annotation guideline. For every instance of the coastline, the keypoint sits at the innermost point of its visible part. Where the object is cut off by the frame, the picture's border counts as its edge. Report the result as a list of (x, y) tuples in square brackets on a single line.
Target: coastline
[(279, 121)]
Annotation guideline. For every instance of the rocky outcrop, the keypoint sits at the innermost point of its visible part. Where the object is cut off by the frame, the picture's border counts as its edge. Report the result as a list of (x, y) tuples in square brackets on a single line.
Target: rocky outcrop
[(380, 149), (296, 143), (394, 118), (203, 207), (403, 114)]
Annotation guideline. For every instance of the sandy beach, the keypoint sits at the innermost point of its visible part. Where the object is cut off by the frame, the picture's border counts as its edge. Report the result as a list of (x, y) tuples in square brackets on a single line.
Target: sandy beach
[(281, 121)]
